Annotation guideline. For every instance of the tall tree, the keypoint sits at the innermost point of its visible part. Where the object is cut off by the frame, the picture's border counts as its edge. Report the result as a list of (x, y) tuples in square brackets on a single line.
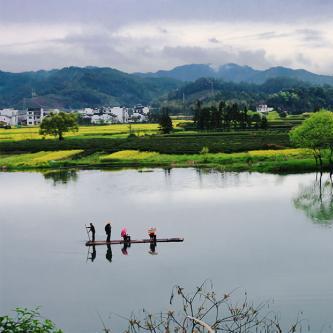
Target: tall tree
[(316, 133), (57, 124), (198, 121), (165, 122), (216, 118)]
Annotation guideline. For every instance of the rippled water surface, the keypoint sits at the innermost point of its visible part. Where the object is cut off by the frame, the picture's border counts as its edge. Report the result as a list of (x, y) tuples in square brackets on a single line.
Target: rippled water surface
[(270, 235)]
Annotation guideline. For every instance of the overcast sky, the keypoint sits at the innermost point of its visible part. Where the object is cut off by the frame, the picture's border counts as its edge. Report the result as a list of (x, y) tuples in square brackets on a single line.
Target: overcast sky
[(147, 35)]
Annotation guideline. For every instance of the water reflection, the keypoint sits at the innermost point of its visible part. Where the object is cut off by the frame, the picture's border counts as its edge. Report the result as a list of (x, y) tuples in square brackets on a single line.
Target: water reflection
[(316, 200), (108, 255), (124, 249), (152, 248), (61, 176), (92, 254)]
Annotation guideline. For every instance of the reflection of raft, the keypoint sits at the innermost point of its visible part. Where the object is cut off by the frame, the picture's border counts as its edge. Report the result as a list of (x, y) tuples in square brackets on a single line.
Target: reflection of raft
[(135, 241)]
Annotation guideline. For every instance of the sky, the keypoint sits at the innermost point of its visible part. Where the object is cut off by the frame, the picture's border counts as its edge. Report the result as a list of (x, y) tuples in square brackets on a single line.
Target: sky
[(149, 35)]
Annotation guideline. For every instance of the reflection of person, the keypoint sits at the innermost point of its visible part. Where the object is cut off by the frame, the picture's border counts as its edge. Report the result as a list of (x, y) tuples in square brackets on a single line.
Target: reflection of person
[(108, 255), (108, 231), (93, 254), (124, 249), (93, 231), (152, 247)]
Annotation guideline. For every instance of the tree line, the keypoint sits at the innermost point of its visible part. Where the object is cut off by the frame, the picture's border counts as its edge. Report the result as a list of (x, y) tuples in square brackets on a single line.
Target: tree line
[(227, 116), (283, 94)]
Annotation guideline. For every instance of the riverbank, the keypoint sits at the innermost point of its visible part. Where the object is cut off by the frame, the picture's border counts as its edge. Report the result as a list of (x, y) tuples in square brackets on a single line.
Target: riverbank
[(273, 161)]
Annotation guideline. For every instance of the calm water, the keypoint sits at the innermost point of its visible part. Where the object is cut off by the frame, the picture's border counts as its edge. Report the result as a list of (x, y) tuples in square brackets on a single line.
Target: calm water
[(269, 235)]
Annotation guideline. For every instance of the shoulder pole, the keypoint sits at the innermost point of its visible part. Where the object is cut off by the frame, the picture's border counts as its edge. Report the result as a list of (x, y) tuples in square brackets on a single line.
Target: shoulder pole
[(87, 231)]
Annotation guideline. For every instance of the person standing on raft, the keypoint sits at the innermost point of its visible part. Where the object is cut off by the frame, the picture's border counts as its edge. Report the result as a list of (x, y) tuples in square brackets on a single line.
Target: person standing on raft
[(125, 236), (93, 231), (152, 234), (108, 231)]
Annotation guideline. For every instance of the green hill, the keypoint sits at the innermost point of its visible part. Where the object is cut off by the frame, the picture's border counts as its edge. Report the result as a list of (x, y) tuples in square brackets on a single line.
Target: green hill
[(76, 87)]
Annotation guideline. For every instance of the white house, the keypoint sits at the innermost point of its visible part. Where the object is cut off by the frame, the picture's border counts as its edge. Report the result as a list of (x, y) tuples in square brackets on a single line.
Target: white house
[(102, 119), (35, 116), (9, 116), (120, 113), (263, 108), (87, 112)]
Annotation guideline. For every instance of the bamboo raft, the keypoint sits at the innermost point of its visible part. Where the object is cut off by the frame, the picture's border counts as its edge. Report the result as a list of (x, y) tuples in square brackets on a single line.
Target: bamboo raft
[(134, 241)]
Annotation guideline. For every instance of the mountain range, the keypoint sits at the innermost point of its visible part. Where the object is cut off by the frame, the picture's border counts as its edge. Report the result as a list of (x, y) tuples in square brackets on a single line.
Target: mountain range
[(76, 87), (236, 73)]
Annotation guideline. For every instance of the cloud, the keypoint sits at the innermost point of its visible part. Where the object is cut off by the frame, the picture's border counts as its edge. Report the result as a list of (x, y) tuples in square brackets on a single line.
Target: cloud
[(121, 12), (217, 56), (149, 35), (213, 40)]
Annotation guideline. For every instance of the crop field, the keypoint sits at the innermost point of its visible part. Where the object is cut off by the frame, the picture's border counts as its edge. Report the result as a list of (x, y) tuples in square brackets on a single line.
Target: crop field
[(117, 130), (36, 160), (294, 160), (285, 160), (218, 143), (248, 157), (187, 143)]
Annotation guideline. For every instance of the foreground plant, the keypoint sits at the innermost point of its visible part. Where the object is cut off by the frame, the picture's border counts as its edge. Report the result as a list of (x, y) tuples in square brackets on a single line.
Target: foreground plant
[(204, 311), (27, 321)]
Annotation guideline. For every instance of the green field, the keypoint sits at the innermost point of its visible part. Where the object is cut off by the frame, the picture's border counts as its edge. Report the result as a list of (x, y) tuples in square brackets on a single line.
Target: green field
[(181, 142), (111, 145), (286, 160), (41, 159)]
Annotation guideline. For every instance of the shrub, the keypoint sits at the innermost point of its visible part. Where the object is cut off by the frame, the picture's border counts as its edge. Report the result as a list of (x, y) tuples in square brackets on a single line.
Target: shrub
[(27, 321)]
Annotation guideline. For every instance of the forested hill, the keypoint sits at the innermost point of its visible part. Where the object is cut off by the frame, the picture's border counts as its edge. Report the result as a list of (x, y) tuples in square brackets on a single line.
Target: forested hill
[(281, 93), (75, 87), (236, 73)]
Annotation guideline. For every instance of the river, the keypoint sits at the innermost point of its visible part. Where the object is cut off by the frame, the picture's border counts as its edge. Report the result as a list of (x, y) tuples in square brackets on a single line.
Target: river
[(268, 235)]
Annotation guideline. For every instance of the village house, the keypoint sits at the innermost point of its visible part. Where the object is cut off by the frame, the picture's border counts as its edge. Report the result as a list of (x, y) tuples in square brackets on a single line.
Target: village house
[(35, 116), (263, 108), (115, 115), (9, 117)]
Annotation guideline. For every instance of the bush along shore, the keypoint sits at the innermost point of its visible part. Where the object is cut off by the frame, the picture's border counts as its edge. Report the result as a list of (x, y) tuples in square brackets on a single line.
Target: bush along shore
[(276, 161)]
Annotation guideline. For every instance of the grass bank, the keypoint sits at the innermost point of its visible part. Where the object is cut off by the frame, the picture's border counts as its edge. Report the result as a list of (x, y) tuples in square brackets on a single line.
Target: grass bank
[(276, 161), (287, 160)]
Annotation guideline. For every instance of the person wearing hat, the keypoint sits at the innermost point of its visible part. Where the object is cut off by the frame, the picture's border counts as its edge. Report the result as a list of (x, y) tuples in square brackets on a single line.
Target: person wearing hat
[(126, 237), (92, 230), (108, 231), (152, 234)]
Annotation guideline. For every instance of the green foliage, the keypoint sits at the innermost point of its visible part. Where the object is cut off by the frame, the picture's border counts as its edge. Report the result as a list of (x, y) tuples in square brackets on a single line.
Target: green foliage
[(225, 117), (165, 122), (282, 94), (75, 87), (27, 321), (58, 124), (204, 150), (264, 123), (316, 132)]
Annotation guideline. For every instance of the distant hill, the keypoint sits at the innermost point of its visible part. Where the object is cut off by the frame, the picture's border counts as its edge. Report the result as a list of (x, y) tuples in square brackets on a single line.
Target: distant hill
[(284, 94), (236, 73), (75, 87)]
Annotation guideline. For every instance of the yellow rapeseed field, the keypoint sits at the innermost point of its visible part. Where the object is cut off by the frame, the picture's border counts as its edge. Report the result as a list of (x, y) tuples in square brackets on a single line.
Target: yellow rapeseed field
[(283, 152), (129, 155), (36, 159), (29, 133)]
